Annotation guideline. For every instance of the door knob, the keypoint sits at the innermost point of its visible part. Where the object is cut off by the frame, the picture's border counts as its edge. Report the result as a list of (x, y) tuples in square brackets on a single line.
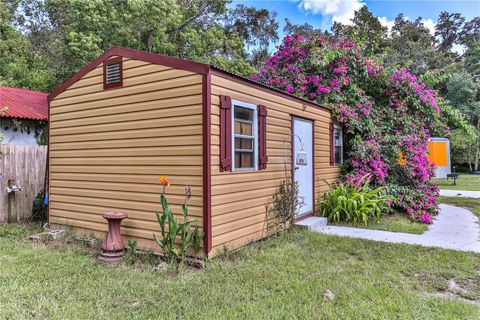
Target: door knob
[(296, 168)]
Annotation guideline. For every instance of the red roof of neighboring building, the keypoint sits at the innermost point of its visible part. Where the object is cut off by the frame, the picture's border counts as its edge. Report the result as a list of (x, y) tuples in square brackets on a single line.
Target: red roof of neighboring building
[(25, 104)]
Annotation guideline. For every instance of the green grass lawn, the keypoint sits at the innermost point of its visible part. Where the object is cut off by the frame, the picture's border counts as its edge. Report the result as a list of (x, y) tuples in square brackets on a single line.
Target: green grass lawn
[(390, 222), (471, 204), (281, 278), (464, 182)]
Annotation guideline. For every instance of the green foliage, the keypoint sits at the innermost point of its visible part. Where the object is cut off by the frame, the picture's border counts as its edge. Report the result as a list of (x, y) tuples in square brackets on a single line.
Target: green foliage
[(394, 222), (172, 228), (44, 42), (131, 253), (286, 202), (38, 207), (472, 59), (353, 203), (463, 147), (448, 29), (463, 93), (13, 231), (20, 65), (132, 246), (366, 31)]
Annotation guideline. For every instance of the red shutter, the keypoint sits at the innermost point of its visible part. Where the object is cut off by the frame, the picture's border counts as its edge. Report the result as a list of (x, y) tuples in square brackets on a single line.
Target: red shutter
[(332, 146), (225, 133), (262, 137)]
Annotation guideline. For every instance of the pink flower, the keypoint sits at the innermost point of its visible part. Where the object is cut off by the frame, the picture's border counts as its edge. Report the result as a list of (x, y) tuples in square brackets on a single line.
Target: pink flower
[(426, 218)]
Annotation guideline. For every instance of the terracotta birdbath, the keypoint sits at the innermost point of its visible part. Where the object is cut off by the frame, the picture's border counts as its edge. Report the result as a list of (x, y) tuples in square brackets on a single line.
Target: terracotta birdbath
[(113, 249)]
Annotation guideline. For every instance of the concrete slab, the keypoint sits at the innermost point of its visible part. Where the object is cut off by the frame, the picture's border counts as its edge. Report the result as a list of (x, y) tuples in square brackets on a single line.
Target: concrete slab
[(460, 193), (312, 222), (454, 228)]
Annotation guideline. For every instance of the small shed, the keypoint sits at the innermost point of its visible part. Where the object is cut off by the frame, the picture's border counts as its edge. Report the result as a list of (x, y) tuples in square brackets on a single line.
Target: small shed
[(130, 116), (439, 156)]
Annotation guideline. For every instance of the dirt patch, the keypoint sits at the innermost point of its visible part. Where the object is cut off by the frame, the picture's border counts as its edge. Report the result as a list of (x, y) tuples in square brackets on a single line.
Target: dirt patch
[(451, 296), (465, 290)]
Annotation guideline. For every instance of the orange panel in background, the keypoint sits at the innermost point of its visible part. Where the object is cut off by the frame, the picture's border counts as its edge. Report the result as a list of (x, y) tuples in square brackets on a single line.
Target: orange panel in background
[(437, 153)]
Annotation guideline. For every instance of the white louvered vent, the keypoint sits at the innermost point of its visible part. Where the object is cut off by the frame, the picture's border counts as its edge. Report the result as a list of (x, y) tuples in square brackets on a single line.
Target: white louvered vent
[(113, 73)]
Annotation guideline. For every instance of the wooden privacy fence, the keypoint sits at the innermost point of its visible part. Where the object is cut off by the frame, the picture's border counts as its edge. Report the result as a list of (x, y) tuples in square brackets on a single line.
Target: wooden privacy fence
[(25, 165)]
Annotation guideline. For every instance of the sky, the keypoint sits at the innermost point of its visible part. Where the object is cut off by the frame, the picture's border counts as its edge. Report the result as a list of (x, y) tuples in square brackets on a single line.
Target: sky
[(322, 13)]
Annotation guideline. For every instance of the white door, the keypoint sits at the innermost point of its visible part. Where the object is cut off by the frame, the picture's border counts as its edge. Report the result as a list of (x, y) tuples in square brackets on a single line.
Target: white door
[(303, 161)]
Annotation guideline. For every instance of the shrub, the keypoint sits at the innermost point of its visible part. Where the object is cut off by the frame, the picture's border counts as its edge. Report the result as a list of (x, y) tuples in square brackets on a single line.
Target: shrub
[(384, 111), (354, 202), (286, 202), (38, 208)]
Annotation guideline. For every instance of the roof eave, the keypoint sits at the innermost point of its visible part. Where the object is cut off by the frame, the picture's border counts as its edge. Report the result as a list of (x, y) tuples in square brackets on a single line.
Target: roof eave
[(181, 64)]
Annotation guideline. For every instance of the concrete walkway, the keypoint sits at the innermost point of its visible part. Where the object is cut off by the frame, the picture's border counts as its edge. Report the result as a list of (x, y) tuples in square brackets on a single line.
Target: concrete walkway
[(460, 193), (454, 228)]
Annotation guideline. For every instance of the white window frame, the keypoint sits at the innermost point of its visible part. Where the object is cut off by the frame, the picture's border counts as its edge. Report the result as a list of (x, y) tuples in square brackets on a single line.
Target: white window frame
[(237, 103), (339, 128)]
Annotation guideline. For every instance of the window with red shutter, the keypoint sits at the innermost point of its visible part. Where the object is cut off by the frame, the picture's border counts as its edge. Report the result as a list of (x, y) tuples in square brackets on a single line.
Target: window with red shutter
[(262, 137)]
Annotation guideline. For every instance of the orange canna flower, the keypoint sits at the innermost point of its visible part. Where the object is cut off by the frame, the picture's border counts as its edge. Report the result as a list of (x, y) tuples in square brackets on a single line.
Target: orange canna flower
[(164, 181)]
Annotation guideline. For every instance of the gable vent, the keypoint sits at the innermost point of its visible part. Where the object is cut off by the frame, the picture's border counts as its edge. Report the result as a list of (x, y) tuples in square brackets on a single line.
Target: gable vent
[(112, 73)]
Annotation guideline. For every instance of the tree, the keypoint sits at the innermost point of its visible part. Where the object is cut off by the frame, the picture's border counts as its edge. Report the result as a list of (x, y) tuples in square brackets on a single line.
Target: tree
[(470, 32), (304, 29), (366, 31), (462, 92), (472, 60), (20, 65), (71, 33), (448, 30), (412, 46), (258, 27)]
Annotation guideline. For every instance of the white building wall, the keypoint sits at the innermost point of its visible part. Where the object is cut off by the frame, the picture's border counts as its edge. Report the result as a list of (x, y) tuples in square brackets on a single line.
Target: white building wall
[(12, 134)]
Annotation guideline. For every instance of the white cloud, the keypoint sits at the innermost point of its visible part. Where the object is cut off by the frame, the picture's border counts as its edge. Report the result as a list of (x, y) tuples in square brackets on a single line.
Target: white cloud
[(343, 11), (458, 48), (339, 10), (386, 23), (430, 25)]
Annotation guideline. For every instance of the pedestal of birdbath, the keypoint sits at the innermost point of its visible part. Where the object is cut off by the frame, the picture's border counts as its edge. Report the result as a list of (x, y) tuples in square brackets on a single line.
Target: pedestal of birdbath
[(113, 249)]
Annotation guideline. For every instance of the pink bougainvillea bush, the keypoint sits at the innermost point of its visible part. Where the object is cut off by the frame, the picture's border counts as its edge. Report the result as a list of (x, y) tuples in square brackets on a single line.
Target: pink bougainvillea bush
[(387, 114)]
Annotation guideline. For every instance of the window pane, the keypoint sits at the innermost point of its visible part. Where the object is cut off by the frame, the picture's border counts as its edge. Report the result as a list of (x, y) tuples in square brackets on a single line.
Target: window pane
[(244, 143), (243, 113), (338, 154), (244, 159), (337, 137), (243, 128)]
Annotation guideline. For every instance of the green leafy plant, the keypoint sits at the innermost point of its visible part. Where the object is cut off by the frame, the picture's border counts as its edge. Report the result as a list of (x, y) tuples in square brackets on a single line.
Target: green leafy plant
[(131, 252), (354, 202), (132, 246), (171, 228), (38, 207), (286, 202)]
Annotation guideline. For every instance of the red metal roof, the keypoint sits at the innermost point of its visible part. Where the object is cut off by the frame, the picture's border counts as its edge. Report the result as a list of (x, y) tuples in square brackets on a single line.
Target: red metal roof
[(25, 104)]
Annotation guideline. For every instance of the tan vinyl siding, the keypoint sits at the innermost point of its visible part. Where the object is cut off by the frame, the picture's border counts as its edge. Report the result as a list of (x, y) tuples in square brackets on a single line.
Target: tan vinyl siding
[(108, 148), (239, 198)]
